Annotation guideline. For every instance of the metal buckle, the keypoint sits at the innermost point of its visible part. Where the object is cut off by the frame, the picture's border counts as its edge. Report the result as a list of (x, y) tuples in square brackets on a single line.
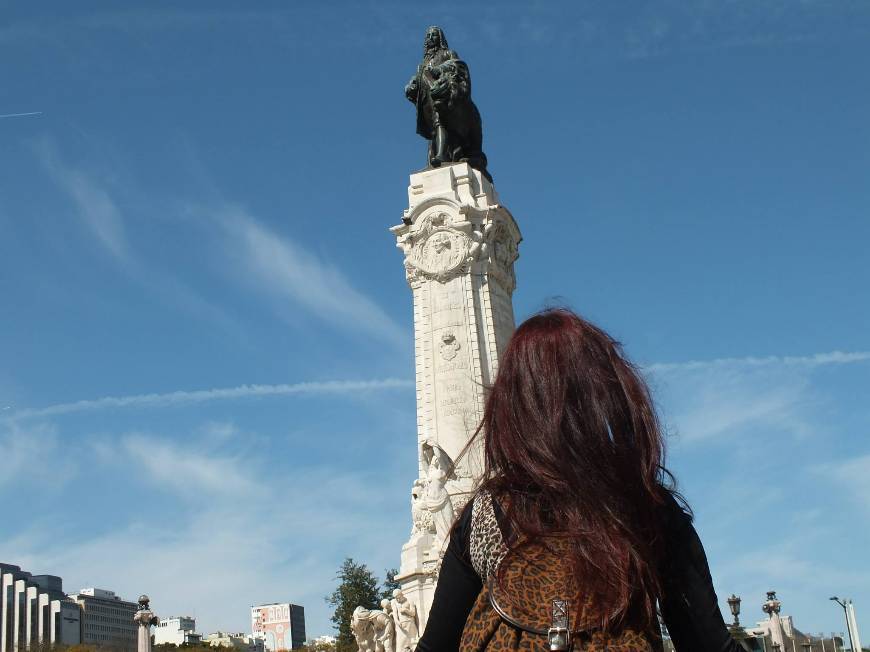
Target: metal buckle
[(559, 635), (559, 639)]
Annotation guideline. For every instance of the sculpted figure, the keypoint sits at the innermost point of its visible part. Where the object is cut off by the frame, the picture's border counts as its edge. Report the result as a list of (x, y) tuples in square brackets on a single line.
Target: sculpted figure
[(421, 519), (446, 115), (385, 628), (436, 499), (405, 619), (363, 629)]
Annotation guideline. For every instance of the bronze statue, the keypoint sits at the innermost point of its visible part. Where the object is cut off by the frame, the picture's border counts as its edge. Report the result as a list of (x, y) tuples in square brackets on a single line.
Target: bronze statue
[(446, 116)]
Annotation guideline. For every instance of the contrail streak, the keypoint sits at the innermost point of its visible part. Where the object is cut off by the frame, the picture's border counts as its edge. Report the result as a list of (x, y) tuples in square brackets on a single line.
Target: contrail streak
[(204, 395), (351, 386), (816, 360), (19, 115)]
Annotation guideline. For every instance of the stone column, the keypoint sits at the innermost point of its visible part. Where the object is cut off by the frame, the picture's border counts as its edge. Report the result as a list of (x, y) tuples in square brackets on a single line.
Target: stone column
[(44, 634), (18, 633), (145, 618), (459, 245), (7, 593)]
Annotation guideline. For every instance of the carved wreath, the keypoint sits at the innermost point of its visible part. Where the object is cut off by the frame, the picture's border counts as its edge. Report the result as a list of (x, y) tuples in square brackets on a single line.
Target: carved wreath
[(439, 250)]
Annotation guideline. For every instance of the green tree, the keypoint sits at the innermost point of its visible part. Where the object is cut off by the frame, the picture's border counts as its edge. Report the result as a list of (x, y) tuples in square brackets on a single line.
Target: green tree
[(358, 587), (390, 583)]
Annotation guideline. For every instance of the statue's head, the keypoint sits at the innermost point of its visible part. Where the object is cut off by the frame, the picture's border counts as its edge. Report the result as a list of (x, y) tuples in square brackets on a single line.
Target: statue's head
[(385, 605), (435, 39), (398, 595)]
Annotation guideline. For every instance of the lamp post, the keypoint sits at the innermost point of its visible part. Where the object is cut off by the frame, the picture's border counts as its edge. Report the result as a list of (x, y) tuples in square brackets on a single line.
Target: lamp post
[(737, 632), (845, 613), (145, 618), (734, 605)]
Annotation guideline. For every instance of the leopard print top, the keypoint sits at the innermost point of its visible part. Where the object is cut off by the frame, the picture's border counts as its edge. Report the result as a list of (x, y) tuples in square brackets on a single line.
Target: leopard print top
[(486, 547)]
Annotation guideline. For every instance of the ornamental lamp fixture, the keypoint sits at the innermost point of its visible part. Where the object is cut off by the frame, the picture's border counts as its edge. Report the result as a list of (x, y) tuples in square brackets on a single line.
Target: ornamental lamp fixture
[(771, 605), (734, 605)]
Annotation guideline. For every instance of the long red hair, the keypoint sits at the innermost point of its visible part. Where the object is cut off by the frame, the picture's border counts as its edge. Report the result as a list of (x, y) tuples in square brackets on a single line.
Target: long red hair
[(574, 450)]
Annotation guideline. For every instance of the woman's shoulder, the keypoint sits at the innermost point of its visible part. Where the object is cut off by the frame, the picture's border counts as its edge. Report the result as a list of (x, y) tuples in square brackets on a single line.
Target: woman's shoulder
[(674, 508), (675, 519), (470, 512)]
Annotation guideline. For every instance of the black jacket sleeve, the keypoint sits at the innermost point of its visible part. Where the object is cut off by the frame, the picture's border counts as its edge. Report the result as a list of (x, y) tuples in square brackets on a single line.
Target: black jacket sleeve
[(457, 589), (689, 605)]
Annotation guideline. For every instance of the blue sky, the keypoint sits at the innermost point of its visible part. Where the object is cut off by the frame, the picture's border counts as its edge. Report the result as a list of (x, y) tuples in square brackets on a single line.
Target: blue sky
[(205, 342)]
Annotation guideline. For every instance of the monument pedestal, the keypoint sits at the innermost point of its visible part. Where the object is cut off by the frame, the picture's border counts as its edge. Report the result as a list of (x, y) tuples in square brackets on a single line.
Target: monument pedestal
[(460, 245)]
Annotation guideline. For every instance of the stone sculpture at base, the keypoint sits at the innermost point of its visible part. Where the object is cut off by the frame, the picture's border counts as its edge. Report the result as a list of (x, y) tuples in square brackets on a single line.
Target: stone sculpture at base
[(145, 618), (436, 499), (375, 630), (405, 619), (385, 628), (459, 245), (363, 630)]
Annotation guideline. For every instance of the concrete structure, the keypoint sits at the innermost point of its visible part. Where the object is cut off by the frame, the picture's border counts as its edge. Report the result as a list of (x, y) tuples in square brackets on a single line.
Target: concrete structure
[(240, 641), (34, 611), (853, 625), (176, 630), (144, 620), (281, 625), (459, 248), (106, 618)]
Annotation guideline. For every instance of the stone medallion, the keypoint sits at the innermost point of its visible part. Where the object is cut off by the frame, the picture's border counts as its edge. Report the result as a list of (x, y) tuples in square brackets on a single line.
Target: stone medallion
[(441, 250)]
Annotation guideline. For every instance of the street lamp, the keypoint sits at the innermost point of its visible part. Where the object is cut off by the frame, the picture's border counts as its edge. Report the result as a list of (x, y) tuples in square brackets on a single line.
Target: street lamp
[(734, 605), (846, 613)]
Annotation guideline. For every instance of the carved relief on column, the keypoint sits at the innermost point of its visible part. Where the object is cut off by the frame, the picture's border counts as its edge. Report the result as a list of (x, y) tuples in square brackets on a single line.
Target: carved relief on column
[(502, 249), (439, 246)]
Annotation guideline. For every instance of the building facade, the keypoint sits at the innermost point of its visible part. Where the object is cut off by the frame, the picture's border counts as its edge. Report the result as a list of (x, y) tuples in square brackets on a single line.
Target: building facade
[(281, 625), (176, 630), (34, 610), (106, 618), (242, 642), (324, 641)]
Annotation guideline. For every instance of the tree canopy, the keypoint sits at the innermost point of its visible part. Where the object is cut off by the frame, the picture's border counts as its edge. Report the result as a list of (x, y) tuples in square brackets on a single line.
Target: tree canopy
[(357, 586)]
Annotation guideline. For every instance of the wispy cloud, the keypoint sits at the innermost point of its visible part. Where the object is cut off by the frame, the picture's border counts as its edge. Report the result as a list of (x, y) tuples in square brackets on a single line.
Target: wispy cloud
[(217, 394), (852, 476), (815, 360), (32, 453), (20, 115), (750, 433), (710, 398), (189, 471), (730, 401), (277, 265), (95, 207), (238, 528)]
